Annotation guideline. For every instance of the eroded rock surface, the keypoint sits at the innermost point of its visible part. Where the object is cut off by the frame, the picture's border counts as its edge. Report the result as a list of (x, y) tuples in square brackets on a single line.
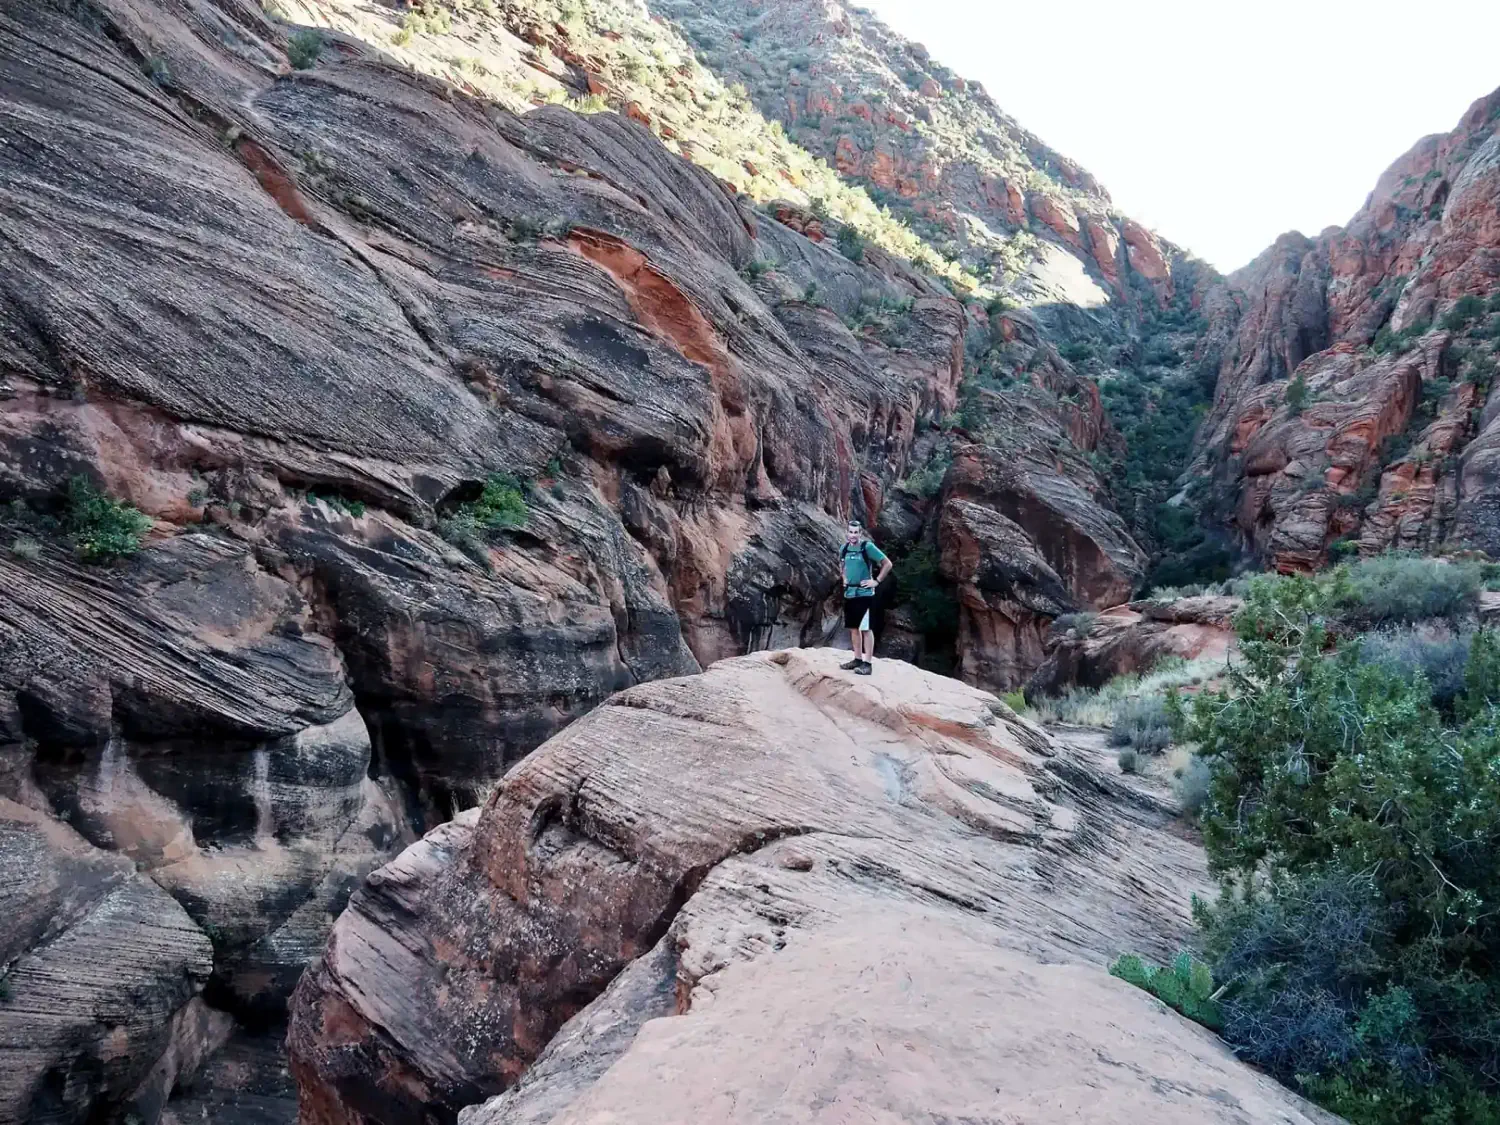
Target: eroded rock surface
[(102, 971), (300, 318), (1388, 329), (802, 888), (1131, 639)]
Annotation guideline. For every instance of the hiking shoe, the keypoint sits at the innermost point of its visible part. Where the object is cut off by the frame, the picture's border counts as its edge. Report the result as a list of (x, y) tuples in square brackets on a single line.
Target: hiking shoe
[(864, 668), (851, 665)]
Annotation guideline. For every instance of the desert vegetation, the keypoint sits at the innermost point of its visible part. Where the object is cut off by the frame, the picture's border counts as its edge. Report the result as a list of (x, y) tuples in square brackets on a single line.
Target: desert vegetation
[(97, 527), (1344, 775)]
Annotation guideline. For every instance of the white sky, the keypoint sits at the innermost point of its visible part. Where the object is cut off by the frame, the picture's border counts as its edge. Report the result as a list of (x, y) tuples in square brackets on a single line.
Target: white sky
[(1222, 125)]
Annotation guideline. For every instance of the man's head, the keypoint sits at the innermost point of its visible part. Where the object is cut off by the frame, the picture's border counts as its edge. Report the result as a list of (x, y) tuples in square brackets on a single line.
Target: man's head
[(854, 533)]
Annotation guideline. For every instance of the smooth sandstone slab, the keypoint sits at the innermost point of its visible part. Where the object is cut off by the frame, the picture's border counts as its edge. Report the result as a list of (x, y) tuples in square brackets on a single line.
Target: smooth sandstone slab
[(775, 892)]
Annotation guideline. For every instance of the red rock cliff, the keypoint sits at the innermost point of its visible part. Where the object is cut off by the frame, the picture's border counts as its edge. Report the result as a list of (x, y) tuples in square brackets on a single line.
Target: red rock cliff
[(1358, 403)]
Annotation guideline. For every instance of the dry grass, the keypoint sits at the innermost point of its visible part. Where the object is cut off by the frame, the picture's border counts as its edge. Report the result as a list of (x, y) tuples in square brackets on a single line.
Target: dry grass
[(1097, 708)]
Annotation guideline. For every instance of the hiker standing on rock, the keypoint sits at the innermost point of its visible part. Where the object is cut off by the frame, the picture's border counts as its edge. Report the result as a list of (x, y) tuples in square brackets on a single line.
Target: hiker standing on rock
[(857, 561)]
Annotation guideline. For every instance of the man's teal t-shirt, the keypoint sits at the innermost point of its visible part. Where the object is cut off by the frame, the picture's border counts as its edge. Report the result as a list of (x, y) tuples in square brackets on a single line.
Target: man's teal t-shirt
[(857, 568)]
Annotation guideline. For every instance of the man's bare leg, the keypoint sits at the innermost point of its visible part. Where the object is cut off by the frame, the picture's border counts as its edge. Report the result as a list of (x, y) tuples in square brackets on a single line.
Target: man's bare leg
[(868, 639)]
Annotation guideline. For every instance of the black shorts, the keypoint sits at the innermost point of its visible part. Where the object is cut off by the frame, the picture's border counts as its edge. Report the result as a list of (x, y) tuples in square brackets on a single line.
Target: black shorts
[(859, 613)]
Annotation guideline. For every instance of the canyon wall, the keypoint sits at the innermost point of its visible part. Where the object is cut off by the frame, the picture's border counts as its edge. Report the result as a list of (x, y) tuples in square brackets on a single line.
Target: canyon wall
[(1356, 408), (302, 319)]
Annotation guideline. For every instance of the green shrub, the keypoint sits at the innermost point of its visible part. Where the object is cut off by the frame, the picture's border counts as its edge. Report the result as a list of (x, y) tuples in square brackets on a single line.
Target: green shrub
[(1079, 623), (99, 527), (1161, 354), (1089, 707), (501, 505), (1190, 784), (1076, 351), (926, 481), (851, 243), (1015, 700), (1348, 545), (1387, 340), (1399, 588), (355, 508), (1142, 723), (1467, 308), (934, 609), (1296, 394), (303, 49), (1356, 835), (25, 547), (1129, 761), (756, 267), (1186, 986), (1440, 656), (1481, 676)]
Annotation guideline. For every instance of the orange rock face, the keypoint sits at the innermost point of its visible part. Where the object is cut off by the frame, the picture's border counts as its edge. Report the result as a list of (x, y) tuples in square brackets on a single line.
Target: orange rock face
[(1058, 215), (1003, 195), (1146, 258), (1104, 244), (1395, 446)]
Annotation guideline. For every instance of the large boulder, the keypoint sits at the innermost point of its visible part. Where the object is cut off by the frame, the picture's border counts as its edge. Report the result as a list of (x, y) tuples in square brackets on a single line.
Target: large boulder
[(784, 881), (1007, 593), (1089, 650)]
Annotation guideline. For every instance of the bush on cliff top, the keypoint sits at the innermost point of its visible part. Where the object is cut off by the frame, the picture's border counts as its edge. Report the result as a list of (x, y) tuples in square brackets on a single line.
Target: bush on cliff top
[(1356, 834), (304, 48)]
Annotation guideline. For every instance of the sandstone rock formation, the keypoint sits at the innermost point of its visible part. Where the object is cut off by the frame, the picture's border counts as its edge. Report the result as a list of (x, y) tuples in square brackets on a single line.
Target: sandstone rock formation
[(1025, 529), (847, 88), (1092, 649), (102, 971), (1387, 330), (301, 319), (765, 891)]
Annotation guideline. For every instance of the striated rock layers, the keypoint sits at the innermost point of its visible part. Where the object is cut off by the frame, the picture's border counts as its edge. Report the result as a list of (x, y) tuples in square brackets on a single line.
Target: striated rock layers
[(773, 891), (1357, 402), (301, 319)]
